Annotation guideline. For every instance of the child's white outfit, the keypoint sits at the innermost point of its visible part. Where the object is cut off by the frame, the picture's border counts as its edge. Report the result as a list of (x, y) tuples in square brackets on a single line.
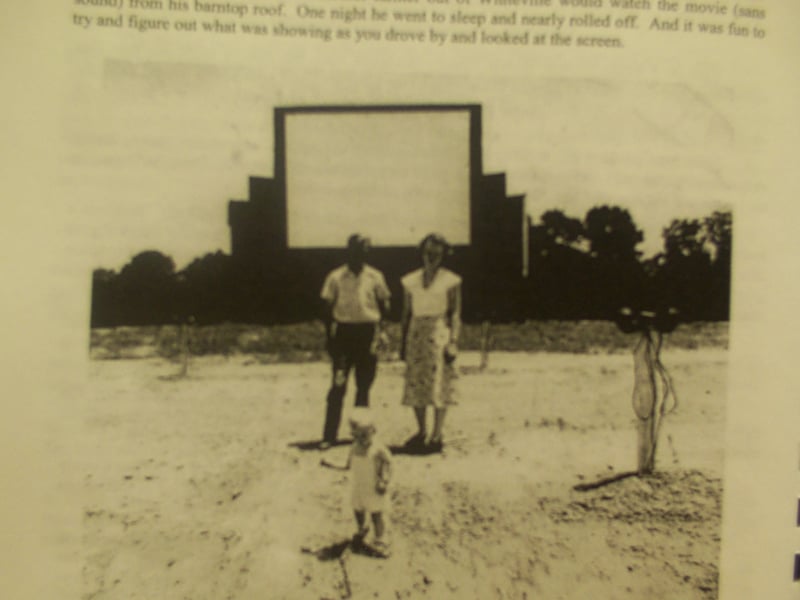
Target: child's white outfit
[(366, 471)]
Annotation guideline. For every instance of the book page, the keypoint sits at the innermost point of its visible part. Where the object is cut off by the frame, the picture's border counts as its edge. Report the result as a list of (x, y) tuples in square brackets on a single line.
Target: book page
[(249, 130)]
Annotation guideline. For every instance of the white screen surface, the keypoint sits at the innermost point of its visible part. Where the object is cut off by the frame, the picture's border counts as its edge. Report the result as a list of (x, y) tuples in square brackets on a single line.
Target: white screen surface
[(393, 176)]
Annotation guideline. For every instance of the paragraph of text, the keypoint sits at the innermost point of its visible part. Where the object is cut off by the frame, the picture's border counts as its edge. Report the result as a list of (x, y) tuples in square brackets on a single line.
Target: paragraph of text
[(606, 24)]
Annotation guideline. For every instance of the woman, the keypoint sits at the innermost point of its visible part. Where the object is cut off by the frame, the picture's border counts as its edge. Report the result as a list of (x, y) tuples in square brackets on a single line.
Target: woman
[(431, 323)]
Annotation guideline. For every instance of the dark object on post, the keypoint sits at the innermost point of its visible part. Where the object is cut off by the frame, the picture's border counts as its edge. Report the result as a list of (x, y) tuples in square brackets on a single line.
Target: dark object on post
[(662, 320)]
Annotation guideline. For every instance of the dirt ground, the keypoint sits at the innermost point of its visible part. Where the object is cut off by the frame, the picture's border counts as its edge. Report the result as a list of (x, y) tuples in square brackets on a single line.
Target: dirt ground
[(210, 486)]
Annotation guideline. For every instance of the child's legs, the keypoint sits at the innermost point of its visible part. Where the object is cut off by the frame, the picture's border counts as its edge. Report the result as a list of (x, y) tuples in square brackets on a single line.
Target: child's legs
[(380, 525), (360, 520)]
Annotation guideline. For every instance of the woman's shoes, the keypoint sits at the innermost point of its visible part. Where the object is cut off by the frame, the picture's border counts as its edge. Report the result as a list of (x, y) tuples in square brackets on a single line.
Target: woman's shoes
[(418, 444), (415, 443), (435, 445)]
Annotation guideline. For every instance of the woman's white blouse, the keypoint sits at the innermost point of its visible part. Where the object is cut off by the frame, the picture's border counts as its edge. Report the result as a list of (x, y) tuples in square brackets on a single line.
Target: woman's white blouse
[(430, 301)]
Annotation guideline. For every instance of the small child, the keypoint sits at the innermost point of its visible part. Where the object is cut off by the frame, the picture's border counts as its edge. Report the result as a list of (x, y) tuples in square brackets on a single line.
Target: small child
[(371, 465)]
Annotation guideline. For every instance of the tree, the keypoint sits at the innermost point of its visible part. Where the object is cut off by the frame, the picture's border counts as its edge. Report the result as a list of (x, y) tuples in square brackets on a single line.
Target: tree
[(147, 289), (612, 234), (559, 268), (149, 265), (208, 289), (559, 229), (719, 228), (683, 271), (618, 277), (719, 231), (684, 238), (104, 298)]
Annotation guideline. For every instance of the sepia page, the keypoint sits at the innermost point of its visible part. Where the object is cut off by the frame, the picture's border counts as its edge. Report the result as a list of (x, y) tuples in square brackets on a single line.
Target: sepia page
[(182, 179)]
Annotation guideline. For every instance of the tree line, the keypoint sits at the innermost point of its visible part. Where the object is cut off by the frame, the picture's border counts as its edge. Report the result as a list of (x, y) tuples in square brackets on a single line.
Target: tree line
[(590, 268), (578, 269)]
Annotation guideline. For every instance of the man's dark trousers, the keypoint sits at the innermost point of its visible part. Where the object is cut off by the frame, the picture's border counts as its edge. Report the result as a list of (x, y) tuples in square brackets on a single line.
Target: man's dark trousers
[(350, 348)]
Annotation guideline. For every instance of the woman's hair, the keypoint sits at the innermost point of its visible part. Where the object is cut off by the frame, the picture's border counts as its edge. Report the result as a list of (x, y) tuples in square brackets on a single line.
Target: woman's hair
[(439, 240)]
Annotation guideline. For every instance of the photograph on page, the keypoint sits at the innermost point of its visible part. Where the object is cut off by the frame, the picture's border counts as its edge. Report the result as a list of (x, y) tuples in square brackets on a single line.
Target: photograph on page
[(339, 299), (406, 335)]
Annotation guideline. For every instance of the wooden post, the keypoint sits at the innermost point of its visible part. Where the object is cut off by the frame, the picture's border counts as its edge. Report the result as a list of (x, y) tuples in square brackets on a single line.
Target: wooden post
[(485, 326), (644, 402), (646, 446), (184, 350), (184, 342)]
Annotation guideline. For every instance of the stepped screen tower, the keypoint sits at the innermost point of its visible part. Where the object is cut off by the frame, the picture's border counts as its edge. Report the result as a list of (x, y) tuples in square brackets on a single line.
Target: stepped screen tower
[(394, 173)]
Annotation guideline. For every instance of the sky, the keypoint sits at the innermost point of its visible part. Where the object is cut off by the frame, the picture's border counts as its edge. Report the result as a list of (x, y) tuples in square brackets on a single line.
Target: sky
[(154, 149)]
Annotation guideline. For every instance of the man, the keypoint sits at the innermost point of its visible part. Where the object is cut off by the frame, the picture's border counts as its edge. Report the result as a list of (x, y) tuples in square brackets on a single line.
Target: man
[(356, 301)]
